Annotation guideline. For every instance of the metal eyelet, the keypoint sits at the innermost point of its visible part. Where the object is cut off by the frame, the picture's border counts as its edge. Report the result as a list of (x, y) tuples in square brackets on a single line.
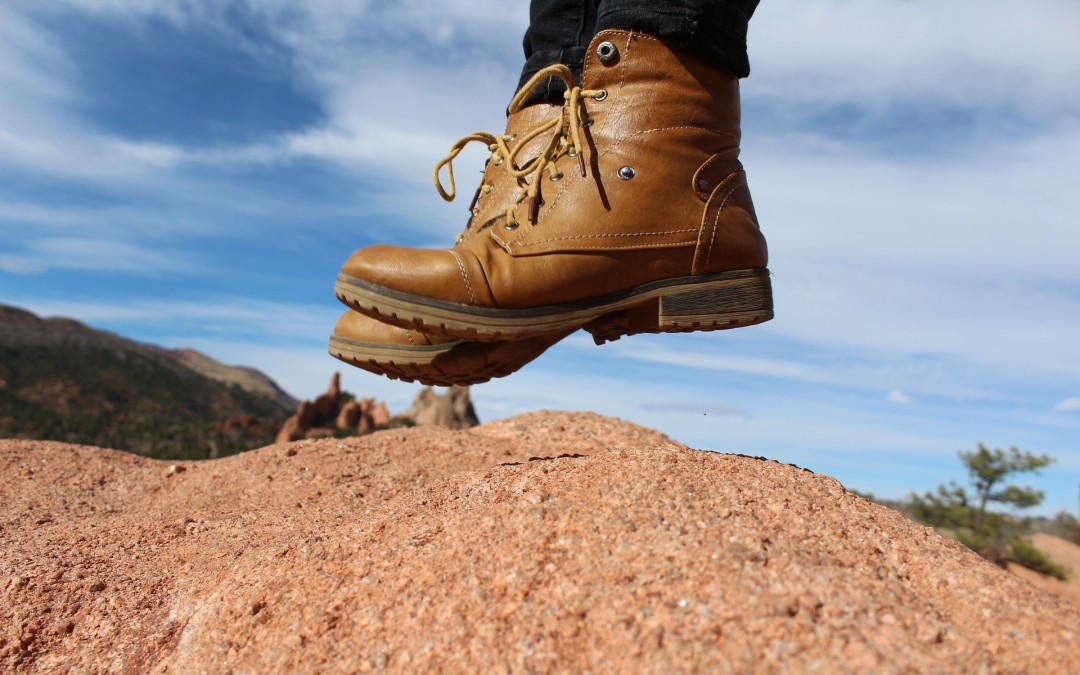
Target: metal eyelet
[(607, 53), (512, 225), (556, 176), (571, 153), (626, 172), (587, 123), (600, 95), (498, 161), (512, 137), (702, 184), (488, 187)]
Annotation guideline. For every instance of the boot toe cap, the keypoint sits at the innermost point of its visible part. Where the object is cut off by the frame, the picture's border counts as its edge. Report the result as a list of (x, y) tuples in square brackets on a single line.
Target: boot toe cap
[(438, 274)]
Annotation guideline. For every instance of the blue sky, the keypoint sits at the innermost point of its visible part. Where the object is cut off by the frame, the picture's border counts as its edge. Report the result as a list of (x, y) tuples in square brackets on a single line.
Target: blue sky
[(193, 173)]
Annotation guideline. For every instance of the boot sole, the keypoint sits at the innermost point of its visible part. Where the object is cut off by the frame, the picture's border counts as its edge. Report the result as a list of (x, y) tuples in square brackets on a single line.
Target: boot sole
[(700, 303), (453, 363)]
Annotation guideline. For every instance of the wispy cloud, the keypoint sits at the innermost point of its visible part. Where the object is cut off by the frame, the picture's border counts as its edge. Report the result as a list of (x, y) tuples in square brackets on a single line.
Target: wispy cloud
[(87, 253), (965, 53), (1069, 405), (899, 397), (818, 364), (271, 322)]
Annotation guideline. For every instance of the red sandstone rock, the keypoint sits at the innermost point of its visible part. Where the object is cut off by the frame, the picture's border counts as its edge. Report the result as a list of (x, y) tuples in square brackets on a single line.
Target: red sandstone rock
[(319, 418), (453, 409), (349, 415), (325, 406), (379, 414), (545, 542), (295, 428)]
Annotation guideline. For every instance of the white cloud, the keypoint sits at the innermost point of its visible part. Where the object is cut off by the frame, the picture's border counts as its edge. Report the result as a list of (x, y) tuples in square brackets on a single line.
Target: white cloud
[(1069, 405), (872, 52), (272, 322), (88, 253), (899, 397)]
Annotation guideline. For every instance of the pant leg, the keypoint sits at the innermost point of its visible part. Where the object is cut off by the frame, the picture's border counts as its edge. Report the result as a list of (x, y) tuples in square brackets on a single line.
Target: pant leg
[(715, 30), (559, 32)]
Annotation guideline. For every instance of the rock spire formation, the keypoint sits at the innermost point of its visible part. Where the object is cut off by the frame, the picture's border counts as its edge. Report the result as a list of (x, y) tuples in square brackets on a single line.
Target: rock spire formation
[(333, 412), (453, 409)]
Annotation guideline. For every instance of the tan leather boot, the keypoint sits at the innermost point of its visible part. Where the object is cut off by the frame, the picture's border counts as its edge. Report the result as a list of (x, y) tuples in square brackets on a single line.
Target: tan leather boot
[(635, 216), (411, 355)]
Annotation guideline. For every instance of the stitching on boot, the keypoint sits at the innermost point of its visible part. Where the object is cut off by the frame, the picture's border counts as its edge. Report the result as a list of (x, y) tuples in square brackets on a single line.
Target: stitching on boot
[(461, 267), (702, 170), (612, 247), (408, 334), (740, 182), (612, 31), (610, 234)]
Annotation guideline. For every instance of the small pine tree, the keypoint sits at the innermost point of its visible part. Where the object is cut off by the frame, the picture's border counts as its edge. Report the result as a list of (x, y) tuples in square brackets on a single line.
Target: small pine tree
[(967, 517)]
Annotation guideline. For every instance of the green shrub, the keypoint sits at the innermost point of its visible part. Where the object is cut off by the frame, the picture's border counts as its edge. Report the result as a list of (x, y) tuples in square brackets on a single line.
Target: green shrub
[(1023, 552)]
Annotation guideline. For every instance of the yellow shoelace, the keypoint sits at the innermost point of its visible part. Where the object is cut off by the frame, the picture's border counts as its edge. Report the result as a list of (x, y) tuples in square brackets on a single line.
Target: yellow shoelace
[(566, 138)]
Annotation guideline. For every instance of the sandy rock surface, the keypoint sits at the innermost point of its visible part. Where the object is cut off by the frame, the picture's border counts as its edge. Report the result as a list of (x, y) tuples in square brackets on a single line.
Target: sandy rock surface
[(545, 542)]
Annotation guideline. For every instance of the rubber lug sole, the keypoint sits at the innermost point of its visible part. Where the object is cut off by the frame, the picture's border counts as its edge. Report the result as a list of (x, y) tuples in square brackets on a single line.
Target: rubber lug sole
[(452, 363), (699, 303)]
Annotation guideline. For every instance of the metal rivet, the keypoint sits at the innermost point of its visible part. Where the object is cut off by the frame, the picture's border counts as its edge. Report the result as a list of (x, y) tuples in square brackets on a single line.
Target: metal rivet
[(702, 184), (512, 225), (626, 172), (600, 95), (606, 52)]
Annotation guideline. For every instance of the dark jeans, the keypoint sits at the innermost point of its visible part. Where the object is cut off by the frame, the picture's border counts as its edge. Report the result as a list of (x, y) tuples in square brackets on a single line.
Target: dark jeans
[(560, 31)]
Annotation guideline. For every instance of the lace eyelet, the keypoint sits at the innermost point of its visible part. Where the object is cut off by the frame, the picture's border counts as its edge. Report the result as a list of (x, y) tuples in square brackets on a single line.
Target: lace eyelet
[(556, 176), (498, 161), (600, 95), (512, 225), (607, 53), (571, 153), (511, 138)]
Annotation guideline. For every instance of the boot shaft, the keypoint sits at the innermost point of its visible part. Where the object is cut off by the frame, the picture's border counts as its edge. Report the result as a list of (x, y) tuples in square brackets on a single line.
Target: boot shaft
[(651, 85), (661, 170)]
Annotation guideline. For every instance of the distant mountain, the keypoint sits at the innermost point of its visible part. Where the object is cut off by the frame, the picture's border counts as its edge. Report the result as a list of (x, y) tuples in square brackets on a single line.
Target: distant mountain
[(62, 380), (246, 378)]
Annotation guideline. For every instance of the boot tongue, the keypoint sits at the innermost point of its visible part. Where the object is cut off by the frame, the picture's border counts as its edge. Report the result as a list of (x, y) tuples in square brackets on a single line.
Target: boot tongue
[(518, 125)]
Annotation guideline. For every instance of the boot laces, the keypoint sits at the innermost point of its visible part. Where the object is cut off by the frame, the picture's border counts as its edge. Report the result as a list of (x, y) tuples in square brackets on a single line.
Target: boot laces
[(565, 138)]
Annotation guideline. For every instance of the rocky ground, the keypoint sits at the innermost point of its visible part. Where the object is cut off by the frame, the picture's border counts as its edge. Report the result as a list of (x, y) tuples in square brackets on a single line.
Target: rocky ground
[(544, 542)]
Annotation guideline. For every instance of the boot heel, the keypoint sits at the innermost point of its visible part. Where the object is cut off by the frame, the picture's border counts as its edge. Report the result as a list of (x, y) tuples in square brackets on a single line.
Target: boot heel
[(714, 305)]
